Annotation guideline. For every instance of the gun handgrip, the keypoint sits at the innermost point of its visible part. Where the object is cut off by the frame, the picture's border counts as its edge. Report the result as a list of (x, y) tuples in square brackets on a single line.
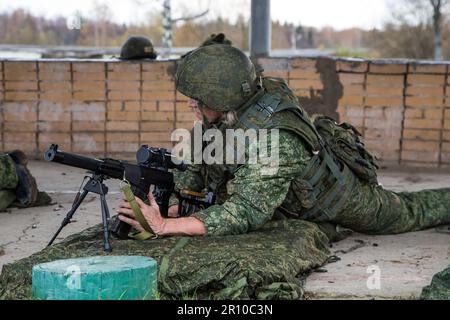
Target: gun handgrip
[(120, 229)]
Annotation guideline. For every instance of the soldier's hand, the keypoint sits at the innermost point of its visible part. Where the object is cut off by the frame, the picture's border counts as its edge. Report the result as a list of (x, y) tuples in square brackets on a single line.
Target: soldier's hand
[(126, 215), (173, 211), (150, 212)]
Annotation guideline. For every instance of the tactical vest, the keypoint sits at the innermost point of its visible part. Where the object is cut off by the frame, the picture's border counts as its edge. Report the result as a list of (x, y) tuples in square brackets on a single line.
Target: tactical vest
[(317, 193)]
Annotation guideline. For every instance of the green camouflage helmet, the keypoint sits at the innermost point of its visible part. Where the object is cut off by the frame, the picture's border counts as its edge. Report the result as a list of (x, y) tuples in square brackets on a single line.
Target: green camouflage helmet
[(213, 39), (137, 48), (219, 76)]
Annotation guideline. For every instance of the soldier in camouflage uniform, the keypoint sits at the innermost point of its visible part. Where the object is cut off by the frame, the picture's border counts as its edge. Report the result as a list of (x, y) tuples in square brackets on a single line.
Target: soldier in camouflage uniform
[(319, 178), (17, 185)]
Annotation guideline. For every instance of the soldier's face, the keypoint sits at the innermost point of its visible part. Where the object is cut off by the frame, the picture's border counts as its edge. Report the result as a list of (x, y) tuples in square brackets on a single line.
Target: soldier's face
[(210, 114), (193, 104)]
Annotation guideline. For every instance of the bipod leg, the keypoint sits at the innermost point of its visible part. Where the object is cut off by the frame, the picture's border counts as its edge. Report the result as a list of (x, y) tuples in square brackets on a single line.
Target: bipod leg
[(69, 216), (105, 218)]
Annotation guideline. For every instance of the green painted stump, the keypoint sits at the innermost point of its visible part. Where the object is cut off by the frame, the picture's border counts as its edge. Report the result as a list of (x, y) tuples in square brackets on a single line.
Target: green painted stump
[(96, 278)]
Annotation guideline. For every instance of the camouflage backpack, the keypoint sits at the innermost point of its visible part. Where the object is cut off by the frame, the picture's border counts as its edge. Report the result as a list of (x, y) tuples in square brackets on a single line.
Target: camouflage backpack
[(344, 141)]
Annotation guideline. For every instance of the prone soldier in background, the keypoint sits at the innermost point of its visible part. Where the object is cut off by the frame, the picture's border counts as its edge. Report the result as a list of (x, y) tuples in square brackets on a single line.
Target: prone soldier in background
[(17, 185)]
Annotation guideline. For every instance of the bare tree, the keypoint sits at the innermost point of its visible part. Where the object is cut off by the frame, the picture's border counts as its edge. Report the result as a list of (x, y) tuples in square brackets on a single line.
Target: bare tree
[(438, 10), (102, 15), (168, 21), (438, 6), (416, 29)]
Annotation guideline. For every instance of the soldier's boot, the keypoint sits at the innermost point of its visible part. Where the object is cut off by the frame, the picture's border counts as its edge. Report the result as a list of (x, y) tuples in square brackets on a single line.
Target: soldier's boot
[(27, 191)]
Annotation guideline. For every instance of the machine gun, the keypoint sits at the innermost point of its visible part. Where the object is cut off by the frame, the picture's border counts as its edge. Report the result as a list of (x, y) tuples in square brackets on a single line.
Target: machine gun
[(152, 169)]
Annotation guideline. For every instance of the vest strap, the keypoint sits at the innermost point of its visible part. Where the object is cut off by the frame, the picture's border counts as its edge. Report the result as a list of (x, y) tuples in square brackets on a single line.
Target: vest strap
[(340, 191)]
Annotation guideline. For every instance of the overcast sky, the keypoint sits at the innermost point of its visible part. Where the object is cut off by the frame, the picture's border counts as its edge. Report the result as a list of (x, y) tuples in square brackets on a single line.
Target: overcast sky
[(339, 14)]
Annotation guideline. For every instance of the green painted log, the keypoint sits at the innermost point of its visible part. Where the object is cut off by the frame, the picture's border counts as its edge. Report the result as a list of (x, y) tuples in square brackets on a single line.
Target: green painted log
[(96, 278)]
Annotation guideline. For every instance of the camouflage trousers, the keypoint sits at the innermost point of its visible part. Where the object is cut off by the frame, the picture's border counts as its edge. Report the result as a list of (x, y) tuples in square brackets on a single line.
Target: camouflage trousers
[(8, 181), (374, 210)]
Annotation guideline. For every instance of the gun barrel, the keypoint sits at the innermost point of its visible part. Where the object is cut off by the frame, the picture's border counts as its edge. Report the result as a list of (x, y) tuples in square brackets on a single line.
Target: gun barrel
[(109, 168)]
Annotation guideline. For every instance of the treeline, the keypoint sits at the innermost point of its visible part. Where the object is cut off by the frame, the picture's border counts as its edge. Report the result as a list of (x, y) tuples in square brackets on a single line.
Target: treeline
[(409, 41), (396, 40), (21, 27)]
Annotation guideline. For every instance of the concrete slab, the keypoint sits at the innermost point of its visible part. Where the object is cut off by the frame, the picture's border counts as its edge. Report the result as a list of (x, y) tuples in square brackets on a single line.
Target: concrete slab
[(405, 263), (386, 267)]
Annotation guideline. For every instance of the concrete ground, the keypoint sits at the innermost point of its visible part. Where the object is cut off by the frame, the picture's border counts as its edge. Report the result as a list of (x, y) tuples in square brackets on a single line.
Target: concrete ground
[(381, 267)]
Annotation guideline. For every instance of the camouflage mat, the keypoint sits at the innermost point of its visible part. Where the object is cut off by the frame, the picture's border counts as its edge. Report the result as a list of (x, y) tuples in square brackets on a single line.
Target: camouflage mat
[(267, 264), (439, 288)]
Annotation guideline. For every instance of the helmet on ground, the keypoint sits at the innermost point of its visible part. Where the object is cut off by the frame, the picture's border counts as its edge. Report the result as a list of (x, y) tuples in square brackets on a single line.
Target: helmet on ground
[(220, 76), (137, 47)]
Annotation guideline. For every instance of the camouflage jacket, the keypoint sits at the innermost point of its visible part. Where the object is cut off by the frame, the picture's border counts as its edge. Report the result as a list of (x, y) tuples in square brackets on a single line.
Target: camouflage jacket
[(247, 199), (306, 181)]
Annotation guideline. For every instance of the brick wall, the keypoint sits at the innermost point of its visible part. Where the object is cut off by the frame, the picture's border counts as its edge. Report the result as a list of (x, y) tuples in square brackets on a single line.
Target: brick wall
[(402, 112), (110, 108), (98, 108), (402, 108)]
